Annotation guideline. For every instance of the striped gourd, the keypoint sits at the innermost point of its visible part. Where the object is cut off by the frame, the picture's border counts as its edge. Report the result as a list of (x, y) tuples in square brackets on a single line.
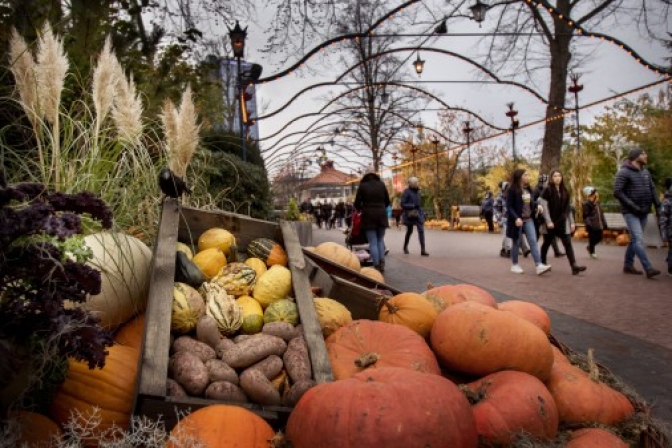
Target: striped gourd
[(188, 307), (237, 278), (282, 311), (222, 307), (267, 250)]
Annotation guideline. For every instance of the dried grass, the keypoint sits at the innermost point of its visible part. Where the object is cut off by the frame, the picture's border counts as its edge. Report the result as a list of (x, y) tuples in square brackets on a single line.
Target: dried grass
[(127, 112), (169, 118), (106, 75), (52, 66), (187, 130), (23, 68)]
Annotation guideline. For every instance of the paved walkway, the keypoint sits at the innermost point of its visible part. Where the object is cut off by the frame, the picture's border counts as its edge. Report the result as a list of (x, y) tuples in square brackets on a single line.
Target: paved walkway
[(625, 318)]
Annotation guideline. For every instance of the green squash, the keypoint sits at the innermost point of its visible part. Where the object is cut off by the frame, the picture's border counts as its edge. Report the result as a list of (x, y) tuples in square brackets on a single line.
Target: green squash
[(282, 311), (186, 271), (237, 278)]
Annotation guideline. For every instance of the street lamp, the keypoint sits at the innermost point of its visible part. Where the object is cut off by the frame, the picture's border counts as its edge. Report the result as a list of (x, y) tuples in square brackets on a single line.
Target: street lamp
[(322, 157), (435, 141), (467, 131), (478, 11), (511, 113), (419, 64), (420, 127), (575, 88), (414, 149), (237, 36), (384, 96)]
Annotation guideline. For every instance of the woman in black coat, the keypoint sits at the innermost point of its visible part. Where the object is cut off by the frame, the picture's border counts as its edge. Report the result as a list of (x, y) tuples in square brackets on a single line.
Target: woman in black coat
[(414, 215), (372, 200)]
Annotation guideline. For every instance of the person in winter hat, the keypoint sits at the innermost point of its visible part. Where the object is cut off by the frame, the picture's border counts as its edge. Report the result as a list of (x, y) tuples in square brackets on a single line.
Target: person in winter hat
[(665, 222), (635, 191), (414, 215), (593, 218)]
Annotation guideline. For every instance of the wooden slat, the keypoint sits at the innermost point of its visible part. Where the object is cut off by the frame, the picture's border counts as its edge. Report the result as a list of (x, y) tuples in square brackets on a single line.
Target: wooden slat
[(362, 302), (154, 370), (304, 301)]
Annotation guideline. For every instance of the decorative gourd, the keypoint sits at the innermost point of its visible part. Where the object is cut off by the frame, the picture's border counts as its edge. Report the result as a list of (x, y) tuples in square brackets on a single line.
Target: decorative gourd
[(181, 247), (217, 238), (283, 310), (257, 264), (210, 262), (269, 251), (273, 285), (131, 333), (35, 430), (368, 344), (221, 426), (390, 407), (253, 315), (581, 398), (529, 311), (111, 390), (222, 307), (123, 262), (458, 293), (331, 314), (477, 339), (186, 271), (338, 254), (511, 403), (188, 308), (237, 278), (410, 310), (373, 273), (595, 438)]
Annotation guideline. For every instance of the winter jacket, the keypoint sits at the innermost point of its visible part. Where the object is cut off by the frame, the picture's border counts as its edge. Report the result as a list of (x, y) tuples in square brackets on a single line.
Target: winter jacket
[(665, 220), (566, 222), (488, 205), (514, 209), (372, 200), (500, 208), (635, 191), (593, 217), (556, 209), (411, 200)]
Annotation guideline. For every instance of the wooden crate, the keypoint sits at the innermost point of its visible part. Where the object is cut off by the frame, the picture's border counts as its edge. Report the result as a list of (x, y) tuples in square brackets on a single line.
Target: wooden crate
[(186, 225)]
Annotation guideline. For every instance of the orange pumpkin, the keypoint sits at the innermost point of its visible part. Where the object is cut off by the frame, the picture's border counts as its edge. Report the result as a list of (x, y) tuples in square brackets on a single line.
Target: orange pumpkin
[(131, 333), (367, 344), (595, 438), (477, 339), (35, 429), (373, 273), (623, 239), (410, 310), (222, 426), (462, 292), (110, 389), (339, 255), (528, 311)]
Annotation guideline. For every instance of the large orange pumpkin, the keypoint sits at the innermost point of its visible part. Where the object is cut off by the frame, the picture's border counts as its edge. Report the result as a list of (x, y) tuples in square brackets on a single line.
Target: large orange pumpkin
[(528, 311), (595, 438), (110, 389), (390, 407), (222, 426), (410, 310), (477, 339), (339, 255), (512, 403), (462, 292), (35, 429), (367, 344), (131, 333)]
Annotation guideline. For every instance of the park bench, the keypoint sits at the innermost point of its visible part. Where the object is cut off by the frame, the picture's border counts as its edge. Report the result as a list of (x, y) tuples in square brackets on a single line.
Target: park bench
[(614, 221)]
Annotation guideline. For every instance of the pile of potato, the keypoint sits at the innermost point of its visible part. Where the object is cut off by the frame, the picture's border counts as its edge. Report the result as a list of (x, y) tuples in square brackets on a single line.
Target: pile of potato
[(268, 368)]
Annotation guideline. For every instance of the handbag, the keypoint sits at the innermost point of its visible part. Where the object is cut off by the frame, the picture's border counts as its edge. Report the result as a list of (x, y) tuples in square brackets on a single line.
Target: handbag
[(413, 214), (356, 223)]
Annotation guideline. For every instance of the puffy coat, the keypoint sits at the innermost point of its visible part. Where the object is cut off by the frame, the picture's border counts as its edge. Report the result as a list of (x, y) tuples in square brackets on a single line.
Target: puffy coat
[(634, 189), (411, 200), (372, 200), (665, 221)]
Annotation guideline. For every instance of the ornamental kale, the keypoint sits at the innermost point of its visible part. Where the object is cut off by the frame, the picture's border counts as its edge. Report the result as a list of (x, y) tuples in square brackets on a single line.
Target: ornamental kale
[(42, 256)]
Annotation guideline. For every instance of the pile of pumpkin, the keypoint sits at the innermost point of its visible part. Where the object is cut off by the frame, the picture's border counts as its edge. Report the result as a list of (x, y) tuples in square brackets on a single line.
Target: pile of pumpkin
[(397, 380), (340, 255), (236, 328)]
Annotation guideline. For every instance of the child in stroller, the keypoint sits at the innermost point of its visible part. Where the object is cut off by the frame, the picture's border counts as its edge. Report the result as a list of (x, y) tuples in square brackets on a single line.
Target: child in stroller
[(359, 244)]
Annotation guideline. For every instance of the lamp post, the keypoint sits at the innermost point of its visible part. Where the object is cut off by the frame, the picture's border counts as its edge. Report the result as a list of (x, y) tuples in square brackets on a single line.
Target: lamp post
[(467, 131), (575, 88), (478, 11), (414, 149), (237, 36), (419, 65), (435, 141), (511, 113)]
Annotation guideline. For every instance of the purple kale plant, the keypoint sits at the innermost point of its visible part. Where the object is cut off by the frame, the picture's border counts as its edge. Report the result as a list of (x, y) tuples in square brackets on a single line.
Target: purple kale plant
[(42, 265)]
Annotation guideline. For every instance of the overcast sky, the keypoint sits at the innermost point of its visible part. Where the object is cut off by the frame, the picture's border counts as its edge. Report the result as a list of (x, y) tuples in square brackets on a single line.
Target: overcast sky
[(608, 70)]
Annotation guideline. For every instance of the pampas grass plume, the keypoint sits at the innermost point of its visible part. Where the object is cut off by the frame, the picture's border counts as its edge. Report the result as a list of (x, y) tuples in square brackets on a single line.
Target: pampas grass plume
[(127, 111), (52, 66), (105, 78), (187, 133), (169, 121), (23, 69)]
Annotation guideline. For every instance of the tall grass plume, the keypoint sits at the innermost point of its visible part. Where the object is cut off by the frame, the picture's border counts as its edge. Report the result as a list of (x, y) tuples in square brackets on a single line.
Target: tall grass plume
[(127, 111), (106, 75), (187, 134)]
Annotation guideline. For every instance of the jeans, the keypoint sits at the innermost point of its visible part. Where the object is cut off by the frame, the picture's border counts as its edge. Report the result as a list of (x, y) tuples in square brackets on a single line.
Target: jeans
[(636, 225), (506, 241), (376, 239), (527, 229)]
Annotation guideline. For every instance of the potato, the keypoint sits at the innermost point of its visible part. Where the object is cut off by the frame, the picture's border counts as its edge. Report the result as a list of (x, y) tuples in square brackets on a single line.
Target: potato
[(253, 349), (191, 345), (270, 367), (259, 388), (224, 345), (241, 338), (283, 330), (296, 392), (297, 360), (208, 332), (220, 371), (173, 389), (225, 391), (189, 371)]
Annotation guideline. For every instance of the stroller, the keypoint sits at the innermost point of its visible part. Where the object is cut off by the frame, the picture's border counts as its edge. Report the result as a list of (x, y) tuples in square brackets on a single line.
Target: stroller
[(358, 244)]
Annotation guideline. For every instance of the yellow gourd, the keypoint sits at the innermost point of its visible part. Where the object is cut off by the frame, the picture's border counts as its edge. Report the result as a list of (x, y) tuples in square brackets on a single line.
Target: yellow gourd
[(253, 315), (273, 285), (210, 261)]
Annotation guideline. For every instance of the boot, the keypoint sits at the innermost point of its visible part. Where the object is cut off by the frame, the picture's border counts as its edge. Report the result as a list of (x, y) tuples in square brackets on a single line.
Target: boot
[(576, 269), (406, 240), (422, 246)]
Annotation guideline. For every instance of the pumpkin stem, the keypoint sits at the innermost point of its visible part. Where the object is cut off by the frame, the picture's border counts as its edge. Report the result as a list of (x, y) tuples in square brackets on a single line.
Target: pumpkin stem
[(390, 307), (473, 396), (593, 370), (366, 360), (430, 285)]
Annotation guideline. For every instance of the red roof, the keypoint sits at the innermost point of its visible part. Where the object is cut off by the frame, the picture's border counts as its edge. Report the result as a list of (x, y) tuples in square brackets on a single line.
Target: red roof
[(329, 175)]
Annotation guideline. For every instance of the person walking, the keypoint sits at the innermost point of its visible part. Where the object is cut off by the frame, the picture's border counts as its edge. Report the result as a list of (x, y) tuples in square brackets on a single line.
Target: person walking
[(339, 213), (414, 215), (539, 219), (372, 200), (488, 210), (665, 222), (593, 218), (558, 219), (520, 207), (397, 211), (502, 217), (634, 189)]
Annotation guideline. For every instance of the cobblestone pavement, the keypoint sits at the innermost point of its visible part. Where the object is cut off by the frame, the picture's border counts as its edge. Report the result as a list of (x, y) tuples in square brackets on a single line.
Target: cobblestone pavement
[(623, 317)]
